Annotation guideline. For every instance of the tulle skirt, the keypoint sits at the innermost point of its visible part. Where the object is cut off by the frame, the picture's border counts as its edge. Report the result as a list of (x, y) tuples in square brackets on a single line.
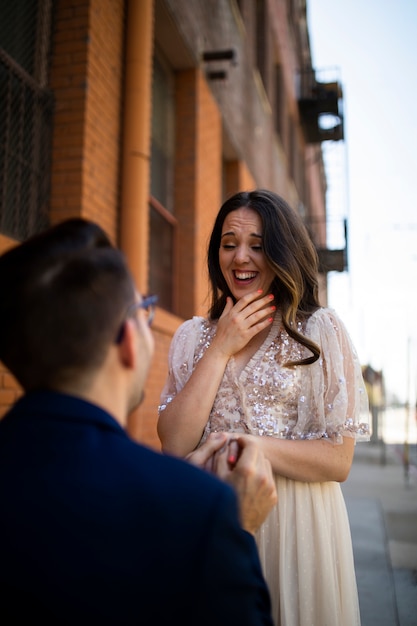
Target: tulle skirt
[(306, 553)]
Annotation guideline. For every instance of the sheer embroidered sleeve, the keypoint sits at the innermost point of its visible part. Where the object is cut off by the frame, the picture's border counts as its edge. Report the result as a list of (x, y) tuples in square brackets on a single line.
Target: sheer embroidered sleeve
[(333, 401), (180, 359)]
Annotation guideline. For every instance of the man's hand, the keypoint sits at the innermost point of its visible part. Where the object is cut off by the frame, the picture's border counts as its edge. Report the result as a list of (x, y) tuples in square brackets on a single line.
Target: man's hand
[(203, 456), (237, 460)]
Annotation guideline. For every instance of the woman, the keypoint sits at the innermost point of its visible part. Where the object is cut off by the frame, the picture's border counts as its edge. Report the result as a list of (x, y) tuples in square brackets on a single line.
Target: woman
[(271, 362)]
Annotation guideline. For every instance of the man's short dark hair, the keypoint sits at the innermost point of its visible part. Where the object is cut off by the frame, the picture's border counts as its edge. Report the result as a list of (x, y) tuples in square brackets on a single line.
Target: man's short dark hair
[(63, 296)]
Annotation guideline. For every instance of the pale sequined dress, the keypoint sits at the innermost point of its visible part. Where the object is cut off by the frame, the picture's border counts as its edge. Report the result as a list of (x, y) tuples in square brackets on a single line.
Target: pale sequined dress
[(305, 544)]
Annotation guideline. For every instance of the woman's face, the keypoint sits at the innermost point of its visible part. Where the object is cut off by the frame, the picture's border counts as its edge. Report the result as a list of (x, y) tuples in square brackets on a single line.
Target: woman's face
[(241, 256)]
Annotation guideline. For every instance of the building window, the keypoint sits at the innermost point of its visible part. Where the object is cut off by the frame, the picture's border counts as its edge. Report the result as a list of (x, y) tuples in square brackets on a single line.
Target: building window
[(26, 108), (281, 122), (261, 40), (163, 223)]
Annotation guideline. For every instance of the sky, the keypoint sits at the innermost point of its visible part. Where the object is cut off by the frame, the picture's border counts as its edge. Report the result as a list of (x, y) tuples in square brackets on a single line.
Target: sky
[(373, 177)]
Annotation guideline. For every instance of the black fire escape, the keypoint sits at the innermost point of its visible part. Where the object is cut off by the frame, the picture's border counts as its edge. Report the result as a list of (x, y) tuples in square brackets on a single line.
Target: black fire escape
[(321, 113), (321, 108), (330, 260)]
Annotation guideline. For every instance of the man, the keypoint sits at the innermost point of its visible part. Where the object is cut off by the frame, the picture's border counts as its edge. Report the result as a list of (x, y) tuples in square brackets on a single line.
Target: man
[(94, 528)]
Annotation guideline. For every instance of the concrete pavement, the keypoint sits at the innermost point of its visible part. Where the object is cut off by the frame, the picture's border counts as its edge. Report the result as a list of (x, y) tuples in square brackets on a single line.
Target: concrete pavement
[(381, 498)]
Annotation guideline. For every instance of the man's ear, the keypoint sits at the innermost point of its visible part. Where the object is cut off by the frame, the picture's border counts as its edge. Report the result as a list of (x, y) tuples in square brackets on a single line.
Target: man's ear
[(127, 346)]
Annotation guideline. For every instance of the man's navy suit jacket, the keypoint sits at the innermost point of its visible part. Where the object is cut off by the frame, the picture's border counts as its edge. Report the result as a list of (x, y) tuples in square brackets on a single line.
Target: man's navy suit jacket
[(97, 529)]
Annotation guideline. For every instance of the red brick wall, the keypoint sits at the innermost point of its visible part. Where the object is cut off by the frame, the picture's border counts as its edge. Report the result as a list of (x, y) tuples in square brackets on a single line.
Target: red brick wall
[(9, 390), (86, 75), (9, 387)]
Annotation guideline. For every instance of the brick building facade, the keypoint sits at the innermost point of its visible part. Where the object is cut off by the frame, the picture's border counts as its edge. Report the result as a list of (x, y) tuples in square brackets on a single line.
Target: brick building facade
[(144, 115)]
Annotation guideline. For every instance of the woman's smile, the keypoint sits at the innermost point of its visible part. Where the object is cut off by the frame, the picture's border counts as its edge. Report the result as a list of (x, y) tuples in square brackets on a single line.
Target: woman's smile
[(244, 277)]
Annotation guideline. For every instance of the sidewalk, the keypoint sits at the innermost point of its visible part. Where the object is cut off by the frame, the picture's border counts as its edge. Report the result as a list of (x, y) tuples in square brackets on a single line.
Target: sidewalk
[(381, 498)]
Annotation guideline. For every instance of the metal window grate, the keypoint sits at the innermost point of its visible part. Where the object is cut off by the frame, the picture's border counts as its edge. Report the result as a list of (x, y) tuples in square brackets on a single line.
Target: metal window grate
[(26, 113)]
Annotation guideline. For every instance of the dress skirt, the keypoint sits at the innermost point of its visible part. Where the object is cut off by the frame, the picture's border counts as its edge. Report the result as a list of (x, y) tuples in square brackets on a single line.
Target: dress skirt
[(306, 553)]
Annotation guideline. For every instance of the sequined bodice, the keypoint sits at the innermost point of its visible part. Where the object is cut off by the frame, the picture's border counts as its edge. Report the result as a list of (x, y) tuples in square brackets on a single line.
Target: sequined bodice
[(325, 399), (263, 398)]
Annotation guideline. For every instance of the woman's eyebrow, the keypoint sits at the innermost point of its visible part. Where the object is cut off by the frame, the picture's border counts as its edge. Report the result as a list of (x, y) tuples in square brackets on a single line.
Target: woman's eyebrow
[(233, 234)]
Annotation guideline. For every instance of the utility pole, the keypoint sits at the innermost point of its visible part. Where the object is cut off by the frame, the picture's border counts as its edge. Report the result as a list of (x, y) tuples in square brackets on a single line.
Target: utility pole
[(406, 453)]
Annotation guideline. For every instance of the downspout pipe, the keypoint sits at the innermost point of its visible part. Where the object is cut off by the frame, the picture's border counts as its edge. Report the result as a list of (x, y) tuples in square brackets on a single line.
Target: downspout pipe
[(135, 174)]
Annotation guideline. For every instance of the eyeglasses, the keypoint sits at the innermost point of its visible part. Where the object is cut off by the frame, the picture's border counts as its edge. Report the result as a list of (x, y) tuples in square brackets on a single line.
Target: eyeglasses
[(147, 304)]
